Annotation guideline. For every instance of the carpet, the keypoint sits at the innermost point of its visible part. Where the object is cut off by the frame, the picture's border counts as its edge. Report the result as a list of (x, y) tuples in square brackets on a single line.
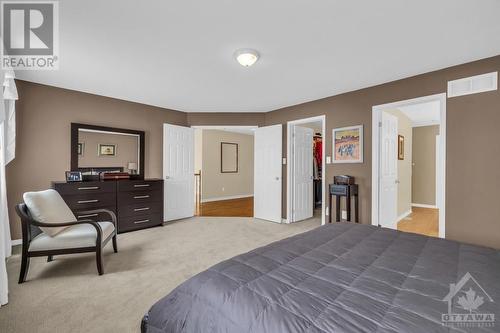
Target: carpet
[(67, 295)]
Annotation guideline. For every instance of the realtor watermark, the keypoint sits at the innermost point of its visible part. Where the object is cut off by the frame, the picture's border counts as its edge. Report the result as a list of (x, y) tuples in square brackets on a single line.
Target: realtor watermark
[(468, 305), (30, 31)]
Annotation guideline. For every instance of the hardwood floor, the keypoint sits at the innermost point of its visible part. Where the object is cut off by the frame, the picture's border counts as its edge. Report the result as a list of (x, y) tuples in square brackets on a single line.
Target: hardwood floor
[(424, 221), (236, 207)]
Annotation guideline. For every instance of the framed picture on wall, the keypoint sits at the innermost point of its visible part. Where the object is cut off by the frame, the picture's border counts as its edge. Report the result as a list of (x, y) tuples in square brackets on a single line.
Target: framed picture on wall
[(228, 157), (401, 147), (348, 144), (106, 150)]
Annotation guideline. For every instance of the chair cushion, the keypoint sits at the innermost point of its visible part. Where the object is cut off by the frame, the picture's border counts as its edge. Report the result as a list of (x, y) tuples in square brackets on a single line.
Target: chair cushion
[(48, 207), (80, 235)]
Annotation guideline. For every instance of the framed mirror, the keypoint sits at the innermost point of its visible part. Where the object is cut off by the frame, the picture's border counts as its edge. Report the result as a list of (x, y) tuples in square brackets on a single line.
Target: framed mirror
[(229, 157), (96, 149)]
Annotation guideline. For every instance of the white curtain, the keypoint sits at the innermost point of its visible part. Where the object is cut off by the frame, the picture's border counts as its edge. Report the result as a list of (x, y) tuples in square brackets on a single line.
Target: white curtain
[(7, 153)]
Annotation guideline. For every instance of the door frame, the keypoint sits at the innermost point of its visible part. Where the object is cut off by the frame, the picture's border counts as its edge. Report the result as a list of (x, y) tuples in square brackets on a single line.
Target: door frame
[(289, 150), (440, 172)]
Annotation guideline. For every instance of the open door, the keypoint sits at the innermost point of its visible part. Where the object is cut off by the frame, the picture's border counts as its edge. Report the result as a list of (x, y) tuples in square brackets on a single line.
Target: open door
[(388, 171), (267, 173), (302, 174), (178, 172)]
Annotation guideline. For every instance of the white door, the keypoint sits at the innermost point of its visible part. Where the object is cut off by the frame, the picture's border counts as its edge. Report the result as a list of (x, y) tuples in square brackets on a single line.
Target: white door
[(388, 171), (178, 172), (302, 174), (267, 173)]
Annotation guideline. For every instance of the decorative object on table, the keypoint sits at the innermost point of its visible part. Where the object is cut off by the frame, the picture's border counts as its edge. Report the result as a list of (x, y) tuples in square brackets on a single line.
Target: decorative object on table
[(348, 144), (343, 186), (106, 150), (73, 176), (114, 175), (228, 157), (401, 147), (81, 147), (132, 166)]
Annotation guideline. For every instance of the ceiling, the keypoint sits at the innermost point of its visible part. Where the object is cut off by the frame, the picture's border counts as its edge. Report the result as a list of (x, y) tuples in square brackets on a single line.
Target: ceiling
[(423, 114), (179, 54)]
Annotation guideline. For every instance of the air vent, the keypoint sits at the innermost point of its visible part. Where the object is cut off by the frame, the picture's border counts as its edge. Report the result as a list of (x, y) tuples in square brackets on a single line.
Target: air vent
[(473, 85)]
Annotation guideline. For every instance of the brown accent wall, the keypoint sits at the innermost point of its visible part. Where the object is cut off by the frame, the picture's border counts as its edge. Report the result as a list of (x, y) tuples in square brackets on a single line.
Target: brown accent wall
[(473, 155), (424, 165), (44, 115), (473, 152)]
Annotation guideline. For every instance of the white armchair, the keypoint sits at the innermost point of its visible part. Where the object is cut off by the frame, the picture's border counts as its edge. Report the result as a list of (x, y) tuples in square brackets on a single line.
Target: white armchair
[(50, 228)]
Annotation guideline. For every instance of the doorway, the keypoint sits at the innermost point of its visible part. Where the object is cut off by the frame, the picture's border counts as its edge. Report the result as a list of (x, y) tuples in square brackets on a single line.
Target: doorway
[(306, 169), (408, 165), (224, 170)]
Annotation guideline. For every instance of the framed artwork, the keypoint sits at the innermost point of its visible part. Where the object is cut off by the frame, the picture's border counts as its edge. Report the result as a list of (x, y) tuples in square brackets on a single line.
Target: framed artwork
[(73, 176), (228, 157), (106, 150), (348, 144), (401, 147), (81, 147)]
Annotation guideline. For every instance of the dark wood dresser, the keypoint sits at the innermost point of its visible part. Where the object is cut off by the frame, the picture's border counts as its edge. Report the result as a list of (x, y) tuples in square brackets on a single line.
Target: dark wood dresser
[(138, 204)]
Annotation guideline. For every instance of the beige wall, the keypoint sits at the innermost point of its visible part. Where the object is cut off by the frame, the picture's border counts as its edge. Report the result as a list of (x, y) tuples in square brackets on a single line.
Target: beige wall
[(198, 149), (424, 165), (126, 150), (44, 115), (404, 166), (220, 185)]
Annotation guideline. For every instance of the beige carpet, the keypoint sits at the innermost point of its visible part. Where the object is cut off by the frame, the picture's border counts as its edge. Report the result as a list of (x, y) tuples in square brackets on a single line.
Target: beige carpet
[(67, 295)]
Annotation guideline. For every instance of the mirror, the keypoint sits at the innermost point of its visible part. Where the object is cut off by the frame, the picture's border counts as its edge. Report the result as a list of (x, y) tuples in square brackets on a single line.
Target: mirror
[(96, 149), (229, 157)]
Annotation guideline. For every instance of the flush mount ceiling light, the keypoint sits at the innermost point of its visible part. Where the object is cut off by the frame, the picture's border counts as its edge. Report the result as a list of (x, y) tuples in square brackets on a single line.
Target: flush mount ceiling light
[(246, 57)]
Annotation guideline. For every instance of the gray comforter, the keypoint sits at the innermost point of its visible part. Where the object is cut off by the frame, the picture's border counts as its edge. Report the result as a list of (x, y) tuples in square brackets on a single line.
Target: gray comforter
[(340, 278)]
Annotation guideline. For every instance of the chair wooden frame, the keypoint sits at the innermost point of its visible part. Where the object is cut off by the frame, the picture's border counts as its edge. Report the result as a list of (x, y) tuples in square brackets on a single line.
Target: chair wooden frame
[(31, 228)]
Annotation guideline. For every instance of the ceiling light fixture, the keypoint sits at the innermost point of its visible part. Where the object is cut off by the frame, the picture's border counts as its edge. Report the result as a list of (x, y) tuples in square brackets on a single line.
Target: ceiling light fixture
[(246, 57)]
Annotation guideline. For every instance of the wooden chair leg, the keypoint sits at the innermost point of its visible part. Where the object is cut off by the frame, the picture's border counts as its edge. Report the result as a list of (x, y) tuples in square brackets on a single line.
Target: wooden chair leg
[(25, 265), (115, 245), (50, 258), (99, 260)]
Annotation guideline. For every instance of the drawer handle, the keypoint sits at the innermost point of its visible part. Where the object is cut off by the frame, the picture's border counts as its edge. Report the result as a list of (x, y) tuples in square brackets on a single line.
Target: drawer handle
[(89, 215), (141, 197), (87, 201), (140, 209), (141, 185), (141, 221), (88, 188)]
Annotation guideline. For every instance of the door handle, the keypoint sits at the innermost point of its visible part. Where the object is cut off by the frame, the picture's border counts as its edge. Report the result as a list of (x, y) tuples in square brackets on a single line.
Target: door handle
[(397, 181), (167, 177), (277, 178)]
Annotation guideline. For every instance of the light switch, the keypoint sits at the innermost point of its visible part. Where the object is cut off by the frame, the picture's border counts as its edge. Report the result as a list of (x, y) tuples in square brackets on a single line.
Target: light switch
[(284, 160), (328, 160)]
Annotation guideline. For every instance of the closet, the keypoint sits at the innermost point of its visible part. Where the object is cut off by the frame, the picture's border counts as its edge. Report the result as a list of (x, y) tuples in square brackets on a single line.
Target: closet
[(317, 169)]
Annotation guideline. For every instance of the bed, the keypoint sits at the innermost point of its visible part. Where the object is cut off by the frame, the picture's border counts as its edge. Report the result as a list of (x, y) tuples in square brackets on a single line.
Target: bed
[(341, 277)]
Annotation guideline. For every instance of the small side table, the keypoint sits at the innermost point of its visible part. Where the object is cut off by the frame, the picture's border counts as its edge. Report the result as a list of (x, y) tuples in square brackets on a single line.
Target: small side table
[(347, 191)]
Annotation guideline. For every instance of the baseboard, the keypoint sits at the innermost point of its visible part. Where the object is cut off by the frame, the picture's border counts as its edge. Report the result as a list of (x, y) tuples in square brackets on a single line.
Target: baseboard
[(423, 205), (227, 198), (16, 242), (405, 214)]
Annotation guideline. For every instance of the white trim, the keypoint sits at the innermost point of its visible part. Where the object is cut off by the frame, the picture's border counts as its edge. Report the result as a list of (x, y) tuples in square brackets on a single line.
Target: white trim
[(291, 123), (230, 197), (402, 216), (376, 116), (425, 123), (424, 205), (17, 242)]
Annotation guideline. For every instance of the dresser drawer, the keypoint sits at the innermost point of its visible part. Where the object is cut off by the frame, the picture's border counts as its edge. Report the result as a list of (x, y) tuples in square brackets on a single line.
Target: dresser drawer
[(128, 198), (140, 185), (139, 222), (97, 217), (141, 209), (85, 187), (90, 201)]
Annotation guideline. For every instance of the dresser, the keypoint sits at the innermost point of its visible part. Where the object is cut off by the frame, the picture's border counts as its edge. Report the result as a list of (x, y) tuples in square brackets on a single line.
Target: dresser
[(138, 204)]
